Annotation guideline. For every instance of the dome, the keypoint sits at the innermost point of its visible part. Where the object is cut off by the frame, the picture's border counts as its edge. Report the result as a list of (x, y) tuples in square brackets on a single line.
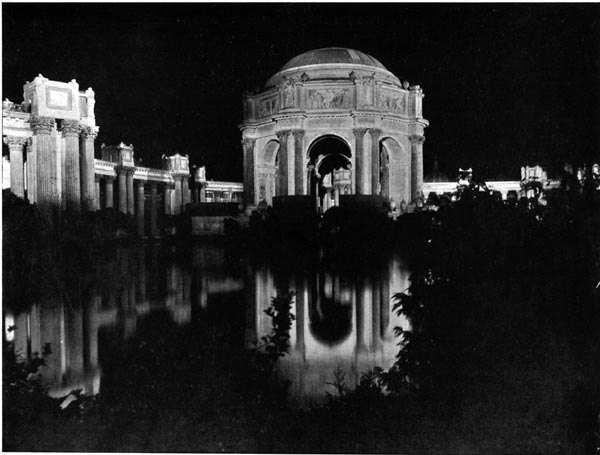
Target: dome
[(331, 55)]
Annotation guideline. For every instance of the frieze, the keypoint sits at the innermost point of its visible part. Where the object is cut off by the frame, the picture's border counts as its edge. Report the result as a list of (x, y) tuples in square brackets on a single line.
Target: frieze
[(329, 99), (267, 107), (394, 102)]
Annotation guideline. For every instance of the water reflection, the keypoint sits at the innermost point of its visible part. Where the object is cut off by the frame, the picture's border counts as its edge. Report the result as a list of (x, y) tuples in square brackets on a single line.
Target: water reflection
[(343, 319), (340, 323)]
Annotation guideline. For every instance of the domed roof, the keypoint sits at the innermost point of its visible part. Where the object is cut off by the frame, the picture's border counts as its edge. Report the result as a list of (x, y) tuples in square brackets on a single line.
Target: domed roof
[(329, 55)]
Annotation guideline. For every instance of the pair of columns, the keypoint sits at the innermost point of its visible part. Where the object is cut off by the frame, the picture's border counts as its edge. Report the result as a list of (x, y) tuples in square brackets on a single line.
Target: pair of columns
[(362, 158)]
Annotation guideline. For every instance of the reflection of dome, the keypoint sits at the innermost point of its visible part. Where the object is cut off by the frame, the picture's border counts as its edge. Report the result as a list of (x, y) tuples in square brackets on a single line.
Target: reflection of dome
[(333, 324), (332, 55)]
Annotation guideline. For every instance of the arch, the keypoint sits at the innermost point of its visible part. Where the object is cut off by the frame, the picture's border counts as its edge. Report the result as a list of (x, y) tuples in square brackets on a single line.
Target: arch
[(395, 173), (269, 153), (329, 160), (266, 172), (324, 137)]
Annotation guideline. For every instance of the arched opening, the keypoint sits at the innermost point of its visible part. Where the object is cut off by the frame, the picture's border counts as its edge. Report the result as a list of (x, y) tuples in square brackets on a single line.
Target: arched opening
[(267, 172), (329, 171), (394, 171)]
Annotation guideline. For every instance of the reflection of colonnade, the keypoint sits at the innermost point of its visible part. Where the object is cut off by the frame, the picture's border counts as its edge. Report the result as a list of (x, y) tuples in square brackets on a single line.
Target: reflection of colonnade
[(338, 323), (121, 295)]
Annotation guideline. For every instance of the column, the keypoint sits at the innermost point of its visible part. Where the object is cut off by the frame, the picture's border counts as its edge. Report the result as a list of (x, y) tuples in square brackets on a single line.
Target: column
[(416, 146), (248, 146), (110, 199), (375, 165), (153, 209), (71, 177), (17, 176), (96, 201), (86, 166), (185, 190), (122, 175), (359, 134), (282, 187), (177, 195), (130, 193), (168, 197), (202, 190), (299, 162), (139, 212), (31, 172), (46, 162)]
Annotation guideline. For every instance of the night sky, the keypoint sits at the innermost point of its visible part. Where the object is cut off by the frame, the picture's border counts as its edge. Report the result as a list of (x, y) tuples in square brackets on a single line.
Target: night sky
[(505, 85)]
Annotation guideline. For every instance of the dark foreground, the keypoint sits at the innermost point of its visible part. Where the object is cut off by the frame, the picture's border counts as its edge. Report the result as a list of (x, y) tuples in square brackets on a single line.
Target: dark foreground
[(503, 358)]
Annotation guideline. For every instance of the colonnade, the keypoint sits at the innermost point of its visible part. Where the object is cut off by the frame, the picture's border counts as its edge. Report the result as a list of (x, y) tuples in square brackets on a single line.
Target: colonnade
[(59, 163), (131, 195)]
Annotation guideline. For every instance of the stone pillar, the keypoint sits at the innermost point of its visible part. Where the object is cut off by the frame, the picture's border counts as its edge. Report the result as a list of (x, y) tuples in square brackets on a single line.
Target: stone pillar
[(202, 191), (178, 196), (139, 211), (122, 175), (31, 172), (153, 210), (70, 133), (300, 187), (282, 186), (168, 199), (86, 167), (17, 176), (416, 146), (185, 190), (375, 165), (249, 172), (96, 200), (46, 163), (359, 134), (110, 198), (130, 193)]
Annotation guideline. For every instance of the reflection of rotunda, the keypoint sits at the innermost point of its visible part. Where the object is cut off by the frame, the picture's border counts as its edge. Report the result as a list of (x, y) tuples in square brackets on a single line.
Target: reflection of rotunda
[(333, 122)]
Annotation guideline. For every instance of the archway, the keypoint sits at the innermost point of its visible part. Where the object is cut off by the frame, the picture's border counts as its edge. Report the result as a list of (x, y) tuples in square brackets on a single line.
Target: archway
[(394, 171), (267, 172), (329, 170)]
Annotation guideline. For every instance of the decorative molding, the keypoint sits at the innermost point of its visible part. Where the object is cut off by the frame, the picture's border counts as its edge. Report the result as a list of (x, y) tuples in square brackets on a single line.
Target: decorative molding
[(70, 128), (283, 135), (416, 139), (42, 125), (87, 132), (359, 132), (15, 141), (298, 134), (248, 144)]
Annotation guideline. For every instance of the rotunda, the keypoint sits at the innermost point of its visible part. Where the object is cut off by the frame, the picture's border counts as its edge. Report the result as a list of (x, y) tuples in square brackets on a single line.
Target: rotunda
[(332, 123)]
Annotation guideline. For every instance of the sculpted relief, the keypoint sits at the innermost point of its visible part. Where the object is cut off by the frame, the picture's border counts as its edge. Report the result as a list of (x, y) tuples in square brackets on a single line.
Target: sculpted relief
[(267, 107), (329, 99), (395, 102)]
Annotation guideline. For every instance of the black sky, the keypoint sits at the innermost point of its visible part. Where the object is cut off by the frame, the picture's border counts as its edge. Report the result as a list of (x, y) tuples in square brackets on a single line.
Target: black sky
[(505, 85)]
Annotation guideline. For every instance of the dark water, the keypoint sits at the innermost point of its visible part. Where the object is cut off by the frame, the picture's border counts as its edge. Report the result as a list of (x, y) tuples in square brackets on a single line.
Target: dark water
[(343, 314)]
